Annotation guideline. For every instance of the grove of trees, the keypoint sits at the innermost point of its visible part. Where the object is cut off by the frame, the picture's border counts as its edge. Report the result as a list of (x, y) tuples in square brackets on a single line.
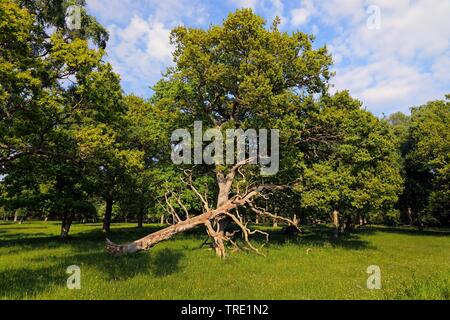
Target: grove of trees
[(75, 147)]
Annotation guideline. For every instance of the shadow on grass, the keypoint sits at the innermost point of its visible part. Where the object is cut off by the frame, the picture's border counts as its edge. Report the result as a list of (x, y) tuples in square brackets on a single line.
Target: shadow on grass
[(316, 236), (18, 227), (86, 249), (159, 263), (411, 231), (27, 282), (24, 283)]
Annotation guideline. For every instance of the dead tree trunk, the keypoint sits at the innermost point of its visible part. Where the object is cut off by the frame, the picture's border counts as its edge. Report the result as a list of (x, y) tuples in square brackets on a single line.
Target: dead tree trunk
[(221, 223)]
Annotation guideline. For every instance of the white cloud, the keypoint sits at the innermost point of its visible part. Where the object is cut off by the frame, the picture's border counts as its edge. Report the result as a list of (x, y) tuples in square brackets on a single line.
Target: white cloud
[(139, 46), (301, 15), (172, 12), (267, 8), (140, 52), (399, 65), (387, 84), (245, 3)]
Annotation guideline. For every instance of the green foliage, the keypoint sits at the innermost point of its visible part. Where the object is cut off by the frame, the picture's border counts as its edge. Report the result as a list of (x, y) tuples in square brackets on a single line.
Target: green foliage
[(361, 174), (55, 91), (427, 163)]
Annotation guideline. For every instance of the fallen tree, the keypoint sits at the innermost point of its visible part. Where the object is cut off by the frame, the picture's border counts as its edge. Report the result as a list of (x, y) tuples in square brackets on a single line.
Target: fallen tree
[(215, 220)]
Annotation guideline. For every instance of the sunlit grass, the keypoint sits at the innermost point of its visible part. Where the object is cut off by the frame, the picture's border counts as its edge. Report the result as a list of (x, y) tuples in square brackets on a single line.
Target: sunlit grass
[(33, 262)]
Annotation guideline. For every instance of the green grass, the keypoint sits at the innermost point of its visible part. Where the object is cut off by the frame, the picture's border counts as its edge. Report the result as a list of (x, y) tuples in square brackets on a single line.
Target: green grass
[(33, 262)]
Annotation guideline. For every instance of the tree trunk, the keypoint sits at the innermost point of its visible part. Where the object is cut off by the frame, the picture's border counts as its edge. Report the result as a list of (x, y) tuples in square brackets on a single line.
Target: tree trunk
[(107, 217), (409, 216), (274, 223), (257, 220), (140, 218), (65, 225), (162, 219), (348, 224), (224, 184), (419, 221), (15, 216), (336, 223)]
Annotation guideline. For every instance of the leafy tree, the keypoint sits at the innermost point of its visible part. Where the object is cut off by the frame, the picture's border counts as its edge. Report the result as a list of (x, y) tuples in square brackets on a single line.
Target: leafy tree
[(54, 87), (361, 176), (427, 167), (241, 75)]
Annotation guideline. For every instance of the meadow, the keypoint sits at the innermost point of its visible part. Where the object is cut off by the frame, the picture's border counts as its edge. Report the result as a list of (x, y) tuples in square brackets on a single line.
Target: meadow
[(414, 265)]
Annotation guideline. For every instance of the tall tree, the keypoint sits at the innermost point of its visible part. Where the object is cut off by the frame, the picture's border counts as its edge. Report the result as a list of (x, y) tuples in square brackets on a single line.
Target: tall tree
[(240, 75), (427, 164), (54, 86), (361, 176)]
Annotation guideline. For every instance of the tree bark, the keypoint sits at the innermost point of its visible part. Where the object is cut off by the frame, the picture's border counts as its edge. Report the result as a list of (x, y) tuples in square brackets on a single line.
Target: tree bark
[(409, 216), (23, 218), (107, 217), (336, 223), (65, 225), (348, 224), (140, 218), (360, 220), (224, 183)]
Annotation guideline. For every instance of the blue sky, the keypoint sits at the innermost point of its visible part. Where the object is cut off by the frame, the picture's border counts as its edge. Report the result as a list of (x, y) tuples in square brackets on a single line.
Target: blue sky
[(390, 54)]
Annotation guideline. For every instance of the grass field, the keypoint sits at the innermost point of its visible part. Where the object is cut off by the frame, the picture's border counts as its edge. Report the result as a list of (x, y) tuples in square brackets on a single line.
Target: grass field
[(33, 262)]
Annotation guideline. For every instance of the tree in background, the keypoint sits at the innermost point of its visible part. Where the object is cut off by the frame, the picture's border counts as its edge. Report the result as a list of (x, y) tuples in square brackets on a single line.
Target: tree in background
[(360, 177), (55, 86), (426, 151)]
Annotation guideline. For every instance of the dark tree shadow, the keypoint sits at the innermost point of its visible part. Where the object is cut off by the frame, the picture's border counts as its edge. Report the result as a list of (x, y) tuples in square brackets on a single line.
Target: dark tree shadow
[(166, 262), (410, 231), (24, 283), (88, 249), (318, 236), (23, 226)]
